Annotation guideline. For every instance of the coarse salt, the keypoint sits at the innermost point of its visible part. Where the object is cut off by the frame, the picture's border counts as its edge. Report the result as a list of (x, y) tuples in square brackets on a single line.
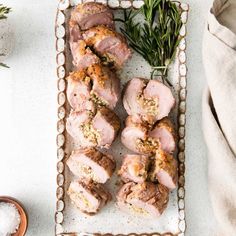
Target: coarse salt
[(9, 219)]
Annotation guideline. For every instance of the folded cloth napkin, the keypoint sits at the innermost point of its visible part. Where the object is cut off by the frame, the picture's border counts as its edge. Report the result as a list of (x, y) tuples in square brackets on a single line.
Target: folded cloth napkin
[(219, 112)]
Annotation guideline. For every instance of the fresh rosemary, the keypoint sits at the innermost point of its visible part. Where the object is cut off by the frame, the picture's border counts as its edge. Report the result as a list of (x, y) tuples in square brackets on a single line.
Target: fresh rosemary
[(4, 11), (157, 38)]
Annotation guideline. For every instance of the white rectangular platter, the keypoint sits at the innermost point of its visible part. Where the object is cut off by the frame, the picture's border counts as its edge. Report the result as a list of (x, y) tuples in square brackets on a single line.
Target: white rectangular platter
[(111, 221)]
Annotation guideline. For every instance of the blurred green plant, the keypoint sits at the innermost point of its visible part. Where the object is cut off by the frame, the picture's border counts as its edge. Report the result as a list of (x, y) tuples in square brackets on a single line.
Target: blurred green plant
[(3, 15)]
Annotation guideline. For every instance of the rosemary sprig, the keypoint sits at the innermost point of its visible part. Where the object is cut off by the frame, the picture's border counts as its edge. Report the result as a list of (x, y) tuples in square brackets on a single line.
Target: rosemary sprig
[(157, 38), (4, 11)]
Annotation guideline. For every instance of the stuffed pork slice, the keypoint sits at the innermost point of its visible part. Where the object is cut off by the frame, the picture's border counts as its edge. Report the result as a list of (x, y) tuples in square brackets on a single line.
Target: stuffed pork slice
[(111, 46), (132, 91), (78, 91), (82, 55), (164, 132), (135, 136), (76, 127), (91, 164), (95, 85), (88, 129), (107, 124), (87, 196), (92, 14), (166, 101), (165, 170), (150, 99), (143, 199), (134, 168), (105, 85)]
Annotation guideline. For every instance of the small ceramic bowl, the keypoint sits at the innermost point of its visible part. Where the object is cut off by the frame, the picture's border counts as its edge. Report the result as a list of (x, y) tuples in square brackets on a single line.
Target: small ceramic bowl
[(23, 216)]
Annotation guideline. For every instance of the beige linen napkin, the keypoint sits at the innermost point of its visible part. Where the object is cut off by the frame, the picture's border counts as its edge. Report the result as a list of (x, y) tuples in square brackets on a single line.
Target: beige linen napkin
[(219, 112)]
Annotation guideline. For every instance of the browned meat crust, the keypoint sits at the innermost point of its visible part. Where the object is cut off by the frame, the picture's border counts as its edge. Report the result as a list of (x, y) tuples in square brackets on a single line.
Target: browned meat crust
[(164, 163), (134, 168), (91, 14), (79, 190), (144, 198)]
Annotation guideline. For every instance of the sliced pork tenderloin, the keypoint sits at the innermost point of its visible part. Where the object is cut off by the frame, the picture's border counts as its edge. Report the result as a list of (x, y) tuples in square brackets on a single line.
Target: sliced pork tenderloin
[(142, 138), (165, 133), (105, 85), (109, 45), (76, 125), (90, 129), (107, 124), (143, 199), (135, 136), (134, 168), (132, 91), (82, 55), (91, 164), (164, 170), (150, 99), (87, 196), (90, 14), (94, 86), (78, 91)]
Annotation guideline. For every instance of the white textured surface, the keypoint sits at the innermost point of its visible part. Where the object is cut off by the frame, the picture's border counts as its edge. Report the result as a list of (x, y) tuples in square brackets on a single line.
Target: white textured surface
[(28, 118), (6, 39)]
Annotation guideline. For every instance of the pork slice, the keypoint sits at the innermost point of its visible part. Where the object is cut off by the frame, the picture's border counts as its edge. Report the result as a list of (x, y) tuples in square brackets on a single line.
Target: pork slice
[(165, 169), (116, 54), (92, 14), (92, 87), (135, 136), (75, 125), (108, 44), (166, 101), (134, 168), (91, 164), (89, 129), (78, 91), (75, 32), (151, 100), (164, 132), (143, 199), (88, 197), (133, 90), (82, 55), (124, 191), (132, 135), (107, 124), (106, 85)]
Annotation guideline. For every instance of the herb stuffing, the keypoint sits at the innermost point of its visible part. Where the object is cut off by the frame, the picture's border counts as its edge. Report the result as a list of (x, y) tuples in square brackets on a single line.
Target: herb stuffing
[(157, 37)]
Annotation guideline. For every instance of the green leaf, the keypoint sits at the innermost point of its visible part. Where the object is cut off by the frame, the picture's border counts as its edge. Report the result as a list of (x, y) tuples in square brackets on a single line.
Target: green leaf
[(4, 65), (4, 11)]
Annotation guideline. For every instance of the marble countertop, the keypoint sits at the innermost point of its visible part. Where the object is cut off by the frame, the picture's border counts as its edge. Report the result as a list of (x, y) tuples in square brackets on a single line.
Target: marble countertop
[(28, 118)]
